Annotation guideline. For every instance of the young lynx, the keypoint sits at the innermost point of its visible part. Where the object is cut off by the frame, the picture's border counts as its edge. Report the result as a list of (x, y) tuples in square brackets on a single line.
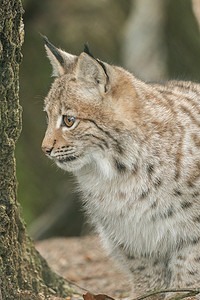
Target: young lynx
[(135, 151)]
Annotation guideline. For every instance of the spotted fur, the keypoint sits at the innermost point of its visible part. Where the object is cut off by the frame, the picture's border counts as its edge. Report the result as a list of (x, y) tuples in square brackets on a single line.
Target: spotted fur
[(134, 148)]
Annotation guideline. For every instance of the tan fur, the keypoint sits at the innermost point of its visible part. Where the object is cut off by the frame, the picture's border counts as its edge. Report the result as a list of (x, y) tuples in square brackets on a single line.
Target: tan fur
[(134, 148)]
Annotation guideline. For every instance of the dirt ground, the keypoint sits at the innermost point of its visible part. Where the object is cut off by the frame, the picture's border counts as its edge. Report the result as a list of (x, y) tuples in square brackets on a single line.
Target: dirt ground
[(84, 262)]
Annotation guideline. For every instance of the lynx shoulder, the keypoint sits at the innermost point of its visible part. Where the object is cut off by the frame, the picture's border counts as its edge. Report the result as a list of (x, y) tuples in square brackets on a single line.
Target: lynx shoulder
[(135, 150)]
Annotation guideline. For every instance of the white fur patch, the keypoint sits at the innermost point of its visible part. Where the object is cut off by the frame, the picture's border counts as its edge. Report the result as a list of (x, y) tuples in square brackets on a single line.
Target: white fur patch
[(59, 121), (103, 165)]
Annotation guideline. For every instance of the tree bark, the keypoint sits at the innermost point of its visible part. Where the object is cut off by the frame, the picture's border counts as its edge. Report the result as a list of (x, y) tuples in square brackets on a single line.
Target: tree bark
[(24, 274)]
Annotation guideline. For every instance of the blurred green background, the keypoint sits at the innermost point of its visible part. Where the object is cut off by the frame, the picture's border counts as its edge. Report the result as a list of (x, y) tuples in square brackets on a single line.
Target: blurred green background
[(157, 40)]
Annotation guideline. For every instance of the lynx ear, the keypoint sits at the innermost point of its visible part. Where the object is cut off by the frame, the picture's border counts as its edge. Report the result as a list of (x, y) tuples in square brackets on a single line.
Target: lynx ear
[(60, 60), (90, 69)]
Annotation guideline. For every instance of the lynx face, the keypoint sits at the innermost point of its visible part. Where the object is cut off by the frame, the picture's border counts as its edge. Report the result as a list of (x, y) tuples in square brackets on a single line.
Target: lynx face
[(83, 120), (74, 131)]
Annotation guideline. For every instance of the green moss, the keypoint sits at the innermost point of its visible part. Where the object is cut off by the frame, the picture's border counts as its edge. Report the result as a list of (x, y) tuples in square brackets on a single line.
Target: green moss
[(8, 26), (4, 219)]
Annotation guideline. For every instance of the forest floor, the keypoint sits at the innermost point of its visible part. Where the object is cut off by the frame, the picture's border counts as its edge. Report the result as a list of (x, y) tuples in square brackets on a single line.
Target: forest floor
[(84, 262)]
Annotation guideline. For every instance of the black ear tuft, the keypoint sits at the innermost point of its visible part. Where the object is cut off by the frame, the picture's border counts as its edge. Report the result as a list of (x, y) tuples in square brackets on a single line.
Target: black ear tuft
[(53, 49), (87, 51)]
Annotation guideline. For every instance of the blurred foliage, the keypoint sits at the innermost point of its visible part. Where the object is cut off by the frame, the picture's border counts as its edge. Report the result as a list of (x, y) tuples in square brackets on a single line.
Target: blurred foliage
[(68, 24)]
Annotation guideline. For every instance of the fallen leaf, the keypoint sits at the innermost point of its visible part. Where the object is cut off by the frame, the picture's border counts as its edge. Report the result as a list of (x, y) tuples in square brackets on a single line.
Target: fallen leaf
[(89, 296)]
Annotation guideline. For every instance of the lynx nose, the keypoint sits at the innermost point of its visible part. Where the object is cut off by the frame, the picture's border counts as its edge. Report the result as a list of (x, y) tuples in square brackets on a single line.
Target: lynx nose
[(47, 150)]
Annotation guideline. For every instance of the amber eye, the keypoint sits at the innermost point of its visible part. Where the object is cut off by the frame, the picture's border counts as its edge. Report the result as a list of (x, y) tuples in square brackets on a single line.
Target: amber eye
[(68, 121)]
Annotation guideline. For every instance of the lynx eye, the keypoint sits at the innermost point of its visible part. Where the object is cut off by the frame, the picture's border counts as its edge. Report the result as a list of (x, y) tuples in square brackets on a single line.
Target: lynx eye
[(68, 121)]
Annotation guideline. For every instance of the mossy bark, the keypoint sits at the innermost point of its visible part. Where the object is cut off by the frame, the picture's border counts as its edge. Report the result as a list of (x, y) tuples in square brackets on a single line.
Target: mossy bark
[(24, 274)]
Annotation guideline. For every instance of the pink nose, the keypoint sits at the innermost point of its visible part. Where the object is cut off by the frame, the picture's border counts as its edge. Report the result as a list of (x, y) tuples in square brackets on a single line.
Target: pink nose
[(47, 150)]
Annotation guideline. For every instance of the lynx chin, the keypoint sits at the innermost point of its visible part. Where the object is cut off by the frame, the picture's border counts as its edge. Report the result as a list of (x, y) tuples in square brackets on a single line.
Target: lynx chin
[(135, 151)]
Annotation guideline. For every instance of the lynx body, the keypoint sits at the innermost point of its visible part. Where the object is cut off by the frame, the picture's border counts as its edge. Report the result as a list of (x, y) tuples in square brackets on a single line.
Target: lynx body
[(135, 151)]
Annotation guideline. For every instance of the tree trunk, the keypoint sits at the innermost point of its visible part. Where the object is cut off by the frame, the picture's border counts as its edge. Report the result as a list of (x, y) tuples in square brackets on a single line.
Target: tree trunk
[(24, 274), (144, 48), (160, 43)]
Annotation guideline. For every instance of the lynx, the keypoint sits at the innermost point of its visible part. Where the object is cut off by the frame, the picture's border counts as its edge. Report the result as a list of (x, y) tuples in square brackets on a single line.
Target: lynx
[(134, 148)]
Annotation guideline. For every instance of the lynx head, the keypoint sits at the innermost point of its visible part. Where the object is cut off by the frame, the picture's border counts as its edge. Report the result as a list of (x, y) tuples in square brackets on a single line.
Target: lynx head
[(86, 115)]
